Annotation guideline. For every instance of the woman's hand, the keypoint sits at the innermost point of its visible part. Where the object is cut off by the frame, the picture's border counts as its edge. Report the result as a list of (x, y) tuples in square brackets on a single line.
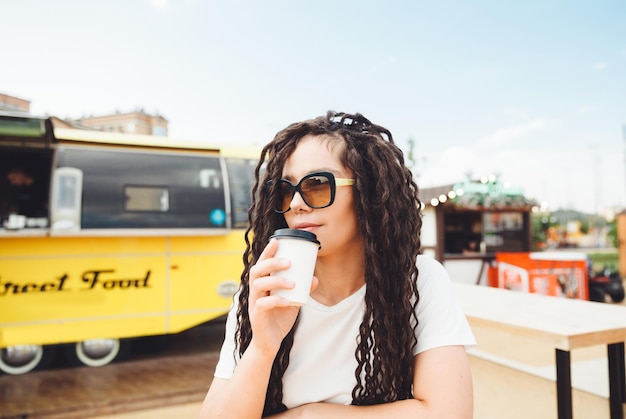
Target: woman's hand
[(271, 316)]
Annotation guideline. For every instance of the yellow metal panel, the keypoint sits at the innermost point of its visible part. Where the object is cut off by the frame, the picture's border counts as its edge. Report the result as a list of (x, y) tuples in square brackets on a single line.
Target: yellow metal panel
[(55, 289), (233, 242), (196, 280), (78, 246), (125, 139), (67, 332), (67, 289), (204, 270)]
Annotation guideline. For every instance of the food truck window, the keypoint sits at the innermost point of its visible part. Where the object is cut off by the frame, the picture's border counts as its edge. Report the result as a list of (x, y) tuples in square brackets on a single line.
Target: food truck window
[(241, 180), (504, 231), (24, 184), (148, 189), (462, 229), (147, 198), (465, 230)]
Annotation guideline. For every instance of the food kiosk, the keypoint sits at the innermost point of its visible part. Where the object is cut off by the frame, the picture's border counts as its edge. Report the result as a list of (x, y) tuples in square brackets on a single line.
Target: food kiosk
[(480, 231)]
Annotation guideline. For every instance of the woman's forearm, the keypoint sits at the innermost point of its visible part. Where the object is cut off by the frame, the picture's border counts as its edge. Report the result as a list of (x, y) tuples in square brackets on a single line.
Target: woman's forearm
[(400, 409), (243, 395), (410, 408)]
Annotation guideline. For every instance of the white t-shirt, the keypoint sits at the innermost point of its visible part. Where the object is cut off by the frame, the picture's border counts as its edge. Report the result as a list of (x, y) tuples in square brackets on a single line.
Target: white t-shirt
[(322, 360)]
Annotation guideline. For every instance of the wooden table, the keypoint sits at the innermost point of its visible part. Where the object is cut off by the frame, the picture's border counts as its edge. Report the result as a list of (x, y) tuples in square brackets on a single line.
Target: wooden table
[(561, 323)]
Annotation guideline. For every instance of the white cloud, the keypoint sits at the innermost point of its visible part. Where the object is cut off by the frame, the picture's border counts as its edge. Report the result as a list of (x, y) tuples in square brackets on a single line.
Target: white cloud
[(450, 166), (584, 110), (600, 66), (564, 177), (507, 135), (160, 4)]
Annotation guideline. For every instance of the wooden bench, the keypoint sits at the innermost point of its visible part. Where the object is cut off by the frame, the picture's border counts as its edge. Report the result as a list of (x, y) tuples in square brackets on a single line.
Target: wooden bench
[(562, 323)]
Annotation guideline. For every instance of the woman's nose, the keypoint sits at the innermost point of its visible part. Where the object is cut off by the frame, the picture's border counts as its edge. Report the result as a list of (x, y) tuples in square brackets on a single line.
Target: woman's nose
[(297, 203)]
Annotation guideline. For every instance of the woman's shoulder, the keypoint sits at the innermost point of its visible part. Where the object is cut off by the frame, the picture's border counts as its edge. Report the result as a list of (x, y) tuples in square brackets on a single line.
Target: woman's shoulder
[(428, 264), (432, 274)]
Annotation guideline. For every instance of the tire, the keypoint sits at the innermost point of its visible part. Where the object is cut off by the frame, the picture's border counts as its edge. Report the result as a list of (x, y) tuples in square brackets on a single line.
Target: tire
[(96, 352), (617, 294), (597, 294), (21, 359)]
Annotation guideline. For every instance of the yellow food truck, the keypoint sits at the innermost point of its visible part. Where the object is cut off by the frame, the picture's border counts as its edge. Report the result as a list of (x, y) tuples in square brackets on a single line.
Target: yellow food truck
[(106, 237)]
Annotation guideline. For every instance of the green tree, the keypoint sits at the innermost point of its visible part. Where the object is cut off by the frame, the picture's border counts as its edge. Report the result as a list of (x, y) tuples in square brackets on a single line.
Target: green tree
[(612, 234), (539, 225)]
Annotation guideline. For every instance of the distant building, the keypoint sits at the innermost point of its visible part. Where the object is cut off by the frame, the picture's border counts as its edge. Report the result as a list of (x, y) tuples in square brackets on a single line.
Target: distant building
[(13, 104), (137, 122), (484, 211), (464, 225)]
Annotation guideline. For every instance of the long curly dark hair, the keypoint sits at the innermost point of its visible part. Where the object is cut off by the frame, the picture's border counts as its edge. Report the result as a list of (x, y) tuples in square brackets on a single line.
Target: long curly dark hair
[(386, 201)]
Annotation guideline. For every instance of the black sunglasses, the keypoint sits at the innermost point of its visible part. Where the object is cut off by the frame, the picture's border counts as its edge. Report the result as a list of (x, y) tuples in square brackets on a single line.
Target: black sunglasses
[(316, 189)]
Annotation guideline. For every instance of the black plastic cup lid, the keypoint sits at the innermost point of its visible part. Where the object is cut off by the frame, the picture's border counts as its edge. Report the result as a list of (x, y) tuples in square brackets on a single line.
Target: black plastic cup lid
[(292, 233)]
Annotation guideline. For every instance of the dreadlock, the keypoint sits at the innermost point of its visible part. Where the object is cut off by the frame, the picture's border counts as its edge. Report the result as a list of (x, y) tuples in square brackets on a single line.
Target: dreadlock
[(384, 191)]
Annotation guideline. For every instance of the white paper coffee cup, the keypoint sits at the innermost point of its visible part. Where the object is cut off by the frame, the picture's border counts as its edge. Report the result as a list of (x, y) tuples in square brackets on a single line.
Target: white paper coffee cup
[(300, 247)]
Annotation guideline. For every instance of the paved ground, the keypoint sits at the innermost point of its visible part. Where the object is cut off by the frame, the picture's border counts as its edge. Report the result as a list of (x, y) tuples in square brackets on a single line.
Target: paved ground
[(179, 375)]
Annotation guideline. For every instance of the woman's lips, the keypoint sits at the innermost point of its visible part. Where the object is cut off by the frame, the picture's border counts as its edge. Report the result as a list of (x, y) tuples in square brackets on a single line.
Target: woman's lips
[(306, 226)]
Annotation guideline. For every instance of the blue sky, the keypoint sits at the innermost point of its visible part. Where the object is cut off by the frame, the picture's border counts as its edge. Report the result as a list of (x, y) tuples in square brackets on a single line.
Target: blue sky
[(534, 91)]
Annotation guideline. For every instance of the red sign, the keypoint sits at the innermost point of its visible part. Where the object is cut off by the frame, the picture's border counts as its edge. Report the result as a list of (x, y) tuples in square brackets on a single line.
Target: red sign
[(560, 274)]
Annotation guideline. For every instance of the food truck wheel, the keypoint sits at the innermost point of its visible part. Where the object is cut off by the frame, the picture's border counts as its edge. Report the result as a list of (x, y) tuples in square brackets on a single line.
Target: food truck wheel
[(20, 359), (95, 352)]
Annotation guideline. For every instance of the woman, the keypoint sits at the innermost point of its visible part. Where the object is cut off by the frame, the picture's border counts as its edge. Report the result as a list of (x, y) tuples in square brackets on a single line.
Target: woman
[(381, 336)]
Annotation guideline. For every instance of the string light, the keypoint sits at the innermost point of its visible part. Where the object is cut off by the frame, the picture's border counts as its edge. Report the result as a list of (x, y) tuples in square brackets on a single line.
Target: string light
[(487, 192)]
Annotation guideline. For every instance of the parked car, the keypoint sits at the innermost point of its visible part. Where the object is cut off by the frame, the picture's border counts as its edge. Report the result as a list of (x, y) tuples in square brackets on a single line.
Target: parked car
[(603, 283)]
